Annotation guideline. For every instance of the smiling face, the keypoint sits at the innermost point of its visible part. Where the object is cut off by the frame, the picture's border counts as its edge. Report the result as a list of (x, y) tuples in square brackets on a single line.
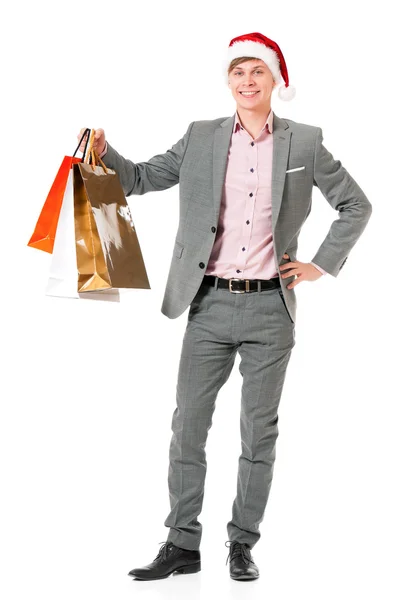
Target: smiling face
[(253, 77)]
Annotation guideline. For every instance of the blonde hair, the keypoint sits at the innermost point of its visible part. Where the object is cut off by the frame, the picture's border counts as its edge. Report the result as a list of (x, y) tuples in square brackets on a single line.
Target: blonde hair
[(237, 61)]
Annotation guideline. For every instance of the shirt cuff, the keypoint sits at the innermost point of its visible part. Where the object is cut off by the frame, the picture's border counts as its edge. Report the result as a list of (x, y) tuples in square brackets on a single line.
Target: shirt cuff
[(319, 268), (105, 150)]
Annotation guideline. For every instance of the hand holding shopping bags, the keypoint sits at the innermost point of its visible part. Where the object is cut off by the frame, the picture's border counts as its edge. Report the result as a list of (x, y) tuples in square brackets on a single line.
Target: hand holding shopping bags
[(99, 142), (86, 224)]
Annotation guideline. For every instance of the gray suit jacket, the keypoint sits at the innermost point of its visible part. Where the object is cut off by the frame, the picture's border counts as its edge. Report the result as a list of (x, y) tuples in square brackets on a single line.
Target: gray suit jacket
[(198, 163)]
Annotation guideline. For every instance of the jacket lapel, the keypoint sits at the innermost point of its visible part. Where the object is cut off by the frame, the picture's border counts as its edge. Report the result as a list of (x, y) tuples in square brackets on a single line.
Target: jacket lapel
[(221, 141), (281, 146)]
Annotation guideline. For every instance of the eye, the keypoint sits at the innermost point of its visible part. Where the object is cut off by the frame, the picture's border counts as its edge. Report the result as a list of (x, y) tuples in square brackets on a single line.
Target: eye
[(239, 72)]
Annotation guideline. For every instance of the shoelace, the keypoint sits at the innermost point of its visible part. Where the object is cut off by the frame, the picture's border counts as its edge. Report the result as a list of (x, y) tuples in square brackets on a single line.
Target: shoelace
[(162, 554), (238, 549)]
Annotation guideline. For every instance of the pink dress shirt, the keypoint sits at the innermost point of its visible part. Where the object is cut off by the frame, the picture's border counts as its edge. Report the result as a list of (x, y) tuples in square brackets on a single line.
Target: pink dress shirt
[(243, 245)]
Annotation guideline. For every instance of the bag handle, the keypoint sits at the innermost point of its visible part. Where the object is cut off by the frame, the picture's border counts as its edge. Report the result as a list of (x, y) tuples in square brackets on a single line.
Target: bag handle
[(90, 150), (95, 158), (92, 153), (80, 141), (90, 146)]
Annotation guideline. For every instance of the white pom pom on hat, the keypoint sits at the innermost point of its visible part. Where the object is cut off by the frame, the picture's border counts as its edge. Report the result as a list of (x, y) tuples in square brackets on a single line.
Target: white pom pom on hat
[(257, 45), (286, 93)]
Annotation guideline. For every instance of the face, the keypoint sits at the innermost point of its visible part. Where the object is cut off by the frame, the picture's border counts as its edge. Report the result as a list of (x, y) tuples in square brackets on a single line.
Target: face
[(251, 75)]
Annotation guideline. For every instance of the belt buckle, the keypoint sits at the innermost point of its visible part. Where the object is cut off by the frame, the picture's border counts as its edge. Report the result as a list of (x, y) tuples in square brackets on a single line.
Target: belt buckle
[(239, 291)]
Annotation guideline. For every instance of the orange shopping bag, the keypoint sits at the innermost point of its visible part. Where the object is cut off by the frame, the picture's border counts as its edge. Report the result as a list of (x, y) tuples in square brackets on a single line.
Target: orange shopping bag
[(44, 234)]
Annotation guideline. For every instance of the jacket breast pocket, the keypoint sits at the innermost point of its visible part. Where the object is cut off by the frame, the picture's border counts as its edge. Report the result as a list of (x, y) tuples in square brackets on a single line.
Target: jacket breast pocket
[(296, 170)]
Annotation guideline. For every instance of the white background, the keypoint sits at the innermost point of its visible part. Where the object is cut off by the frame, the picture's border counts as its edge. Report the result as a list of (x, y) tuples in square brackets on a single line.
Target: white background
[(88, 388)]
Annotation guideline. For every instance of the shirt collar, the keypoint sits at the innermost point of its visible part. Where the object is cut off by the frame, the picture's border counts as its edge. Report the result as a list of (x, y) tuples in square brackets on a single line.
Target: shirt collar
[(269, 122)]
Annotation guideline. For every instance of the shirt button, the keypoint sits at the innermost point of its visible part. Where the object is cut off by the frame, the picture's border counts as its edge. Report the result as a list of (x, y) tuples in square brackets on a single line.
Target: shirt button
[(252, 170), (238, 270), (213, 229), (243, 249), (202, 265), (251, 194), (252, 144), (247, 222)]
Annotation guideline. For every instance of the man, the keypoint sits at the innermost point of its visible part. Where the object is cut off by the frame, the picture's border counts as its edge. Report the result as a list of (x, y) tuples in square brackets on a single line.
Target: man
[(245, 191)]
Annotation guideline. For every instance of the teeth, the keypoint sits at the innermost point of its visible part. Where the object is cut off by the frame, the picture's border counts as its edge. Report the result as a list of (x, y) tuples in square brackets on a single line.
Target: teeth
[(248, 93)]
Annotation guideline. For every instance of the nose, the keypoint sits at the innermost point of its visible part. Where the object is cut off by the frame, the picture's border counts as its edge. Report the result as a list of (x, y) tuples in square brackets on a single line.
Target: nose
[(246, 86), (248, 80)]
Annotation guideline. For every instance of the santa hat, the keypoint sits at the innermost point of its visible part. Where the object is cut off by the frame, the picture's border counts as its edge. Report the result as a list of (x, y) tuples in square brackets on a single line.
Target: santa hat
[(256, 45)]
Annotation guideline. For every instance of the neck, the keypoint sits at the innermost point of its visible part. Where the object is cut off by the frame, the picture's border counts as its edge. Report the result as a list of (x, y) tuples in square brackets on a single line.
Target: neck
[(253, 120)]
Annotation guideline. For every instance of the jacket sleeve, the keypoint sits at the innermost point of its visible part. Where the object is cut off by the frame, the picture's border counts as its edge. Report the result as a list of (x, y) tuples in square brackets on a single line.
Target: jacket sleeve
[(344, 195), (158, 173)]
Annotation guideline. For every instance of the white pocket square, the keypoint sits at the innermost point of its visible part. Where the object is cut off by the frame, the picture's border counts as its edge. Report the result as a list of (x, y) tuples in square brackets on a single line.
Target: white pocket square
[(297, 169)]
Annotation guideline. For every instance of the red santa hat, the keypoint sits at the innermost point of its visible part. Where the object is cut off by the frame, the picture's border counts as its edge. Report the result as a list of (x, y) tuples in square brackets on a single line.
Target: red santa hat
[(256, 45)]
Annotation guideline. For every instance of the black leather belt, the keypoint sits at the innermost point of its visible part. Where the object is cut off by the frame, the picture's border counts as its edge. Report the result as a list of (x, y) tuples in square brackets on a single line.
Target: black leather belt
[(239, 286)]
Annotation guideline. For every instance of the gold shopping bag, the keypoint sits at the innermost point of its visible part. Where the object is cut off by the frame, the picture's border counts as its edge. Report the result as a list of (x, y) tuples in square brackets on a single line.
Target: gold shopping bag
[(108, 252)]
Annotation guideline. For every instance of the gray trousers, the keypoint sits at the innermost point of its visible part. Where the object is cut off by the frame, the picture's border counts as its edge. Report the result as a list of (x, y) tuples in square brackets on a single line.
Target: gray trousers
[(220, 324)]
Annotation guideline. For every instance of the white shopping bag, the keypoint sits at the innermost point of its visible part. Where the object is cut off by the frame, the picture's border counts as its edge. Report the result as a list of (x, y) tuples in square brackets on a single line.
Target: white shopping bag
[(63, 271)]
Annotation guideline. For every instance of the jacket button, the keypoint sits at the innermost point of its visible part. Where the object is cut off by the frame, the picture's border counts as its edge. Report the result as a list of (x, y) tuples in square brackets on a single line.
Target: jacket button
[(213, 229), (202, 265)]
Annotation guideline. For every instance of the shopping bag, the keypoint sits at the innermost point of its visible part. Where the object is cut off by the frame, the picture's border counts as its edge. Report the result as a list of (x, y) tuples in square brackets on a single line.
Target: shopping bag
[(62, 280), (63, 273), (44, 233), (108, 252), (63, 277), (87, 227)]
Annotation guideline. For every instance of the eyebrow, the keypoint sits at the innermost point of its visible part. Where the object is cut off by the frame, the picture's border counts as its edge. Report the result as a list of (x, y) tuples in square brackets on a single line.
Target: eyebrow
[(256, 67)]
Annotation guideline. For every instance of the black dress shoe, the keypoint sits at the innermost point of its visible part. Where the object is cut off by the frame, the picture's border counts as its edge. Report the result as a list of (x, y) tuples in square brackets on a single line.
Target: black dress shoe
[(170, 559), (241, 564)]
